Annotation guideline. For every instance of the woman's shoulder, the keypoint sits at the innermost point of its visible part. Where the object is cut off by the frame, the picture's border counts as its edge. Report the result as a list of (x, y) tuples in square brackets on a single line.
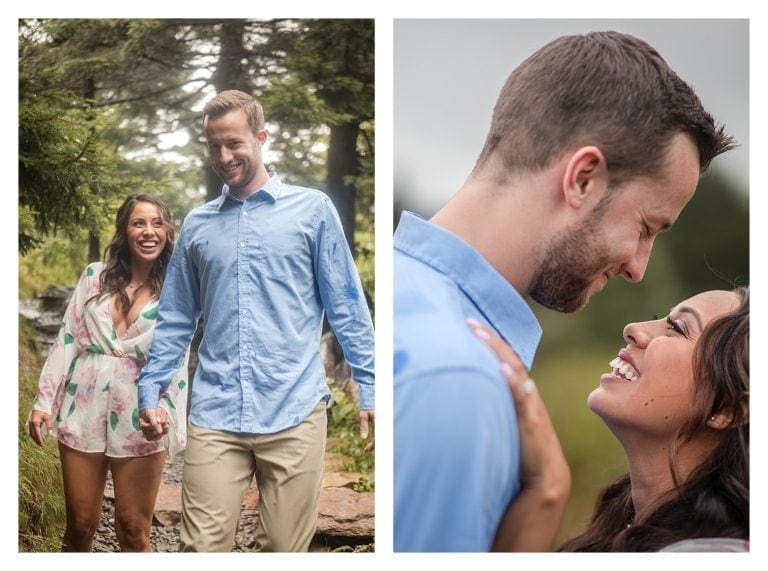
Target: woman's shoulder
[(93, 269), (90, 276), (709, 544)]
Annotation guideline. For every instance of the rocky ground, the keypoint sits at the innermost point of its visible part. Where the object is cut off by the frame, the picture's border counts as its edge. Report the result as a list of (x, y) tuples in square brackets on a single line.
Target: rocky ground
[(345, 520)]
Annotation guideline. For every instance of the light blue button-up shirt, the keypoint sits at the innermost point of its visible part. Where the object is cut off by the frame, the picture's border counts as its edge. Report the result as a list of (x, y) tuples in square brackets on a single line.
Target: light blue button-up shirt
[(457, 457), (261, 272)]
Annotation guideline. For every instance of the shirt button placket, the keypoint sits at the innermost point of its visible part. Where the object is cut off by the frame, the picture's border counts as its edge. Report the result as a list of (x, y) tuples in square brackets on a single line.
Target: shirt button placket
[(242, 302), (245, 300)]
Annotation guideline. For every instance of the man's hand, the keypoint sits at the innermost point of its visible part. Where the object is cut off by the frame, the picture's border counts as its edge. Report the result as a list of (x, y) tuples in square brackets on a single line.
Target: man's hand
[(154, 423), (366, 417)]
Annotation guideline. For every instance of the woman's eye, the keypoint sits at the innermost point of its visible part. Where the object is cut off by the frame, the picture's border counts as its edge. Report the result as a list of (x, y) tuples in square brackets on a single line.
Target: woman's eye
[(676, 327)]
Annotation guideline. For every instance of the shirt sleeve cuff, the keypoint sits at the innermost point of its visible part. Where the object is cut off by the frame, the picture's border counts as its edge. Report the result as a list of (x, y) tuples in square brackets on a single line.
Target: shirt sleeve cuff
[(148, 397), (367, 397)]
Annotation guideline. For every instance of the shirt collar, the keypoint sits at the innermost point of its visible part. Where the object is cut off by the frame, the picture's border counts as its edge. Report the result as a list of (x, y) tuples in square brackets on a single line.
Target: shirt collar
[(269, 192), (499, 302)]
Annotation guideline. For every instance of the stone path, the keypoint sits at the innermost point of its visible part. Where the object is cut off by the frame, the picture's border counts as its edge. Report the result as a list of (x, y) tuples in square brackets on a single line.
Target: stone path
[(345, 519)]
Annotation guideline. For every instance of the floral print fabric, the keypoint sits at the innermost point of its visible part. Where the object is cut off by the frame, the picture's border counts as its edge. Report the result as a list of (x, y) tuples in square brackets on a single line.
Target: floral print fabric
[(88, 382)]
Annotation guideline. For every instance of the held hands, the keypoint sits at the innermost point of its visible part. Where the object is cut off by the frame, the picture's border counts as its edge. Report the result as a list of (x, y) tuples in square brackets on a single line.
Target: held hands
[(154, 423), (39, 426), (366, 417)]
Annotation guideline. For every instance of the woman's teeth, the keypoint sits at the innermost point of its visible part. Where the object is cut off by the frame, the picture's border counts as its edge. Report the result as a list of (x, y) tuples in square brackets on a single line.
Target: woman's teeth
[(623, 369)]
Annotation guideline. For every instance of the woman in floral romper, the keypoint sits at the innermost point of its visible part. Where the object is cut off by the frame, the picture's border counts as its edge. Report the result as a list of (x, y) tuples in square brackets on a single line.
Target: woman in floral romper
[(87, 396)]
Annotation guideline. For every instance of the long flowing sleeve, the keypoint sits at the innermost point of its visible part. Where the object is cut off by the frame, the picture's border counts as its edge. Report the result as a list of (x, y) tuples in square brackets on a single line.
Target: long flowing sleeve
[(71, 341), (344, 301)]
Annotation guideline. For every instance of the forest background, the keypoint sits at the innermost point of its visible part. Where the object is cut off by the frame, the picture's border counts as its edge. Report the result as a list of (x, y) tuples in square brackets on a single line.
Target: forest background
[(110, 107)]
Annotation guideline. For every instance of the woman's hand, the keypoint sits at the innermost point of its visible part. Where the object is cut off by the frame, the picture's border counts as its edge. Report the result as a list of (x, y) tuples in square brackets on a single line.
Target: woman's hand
[(154, 423), (37, 420), (533, 517)]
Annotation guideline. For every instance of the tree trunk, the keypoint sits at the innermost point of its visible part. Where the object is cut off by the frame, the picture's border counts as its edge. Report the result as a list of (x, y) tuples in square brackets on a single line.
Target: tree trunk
[(94, 236), (94, 249), (342, 167)]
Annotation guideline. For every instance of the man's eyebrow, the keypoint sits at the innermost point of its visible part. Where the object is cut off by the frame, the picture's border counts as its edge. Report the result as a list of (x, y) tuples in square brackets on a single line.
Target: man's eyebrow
[(690, 310)]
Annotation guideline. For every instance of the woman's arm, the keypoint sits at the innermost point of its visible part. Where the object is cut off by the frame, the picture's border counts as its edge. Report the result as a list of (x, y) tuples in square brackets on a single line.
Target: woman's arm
[(533, 518), (68, 345)]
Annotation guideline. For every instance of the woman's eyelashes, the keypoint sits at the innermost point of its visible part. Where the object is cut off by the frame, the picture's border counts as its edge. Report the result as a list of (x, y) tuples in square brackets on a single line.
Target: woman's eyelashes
[(677, 327)]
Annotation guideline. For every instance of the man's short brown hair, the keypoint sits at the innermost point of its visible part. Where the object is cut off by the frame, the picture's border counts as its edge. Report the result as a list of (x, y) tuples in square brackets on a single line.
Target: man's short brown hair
[(606, 89), (232, 99)]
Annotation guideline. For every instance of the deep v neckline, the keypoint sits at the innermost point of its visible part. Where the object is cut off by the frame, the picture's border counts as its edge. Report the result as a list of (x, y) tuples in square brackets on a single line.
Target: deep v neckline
[(120, 336)]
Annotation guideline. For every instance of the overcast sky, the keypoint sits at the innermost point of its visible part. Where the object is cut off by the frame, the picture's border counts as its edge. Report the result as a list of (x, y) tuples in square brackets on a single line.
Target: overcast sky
[(448, 73)]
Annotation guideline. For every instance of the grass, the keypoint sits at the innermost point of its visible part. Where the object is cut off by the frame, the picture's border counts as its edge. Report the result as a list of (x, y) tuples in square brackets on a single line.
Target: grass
[(41, 495), (344, 438)]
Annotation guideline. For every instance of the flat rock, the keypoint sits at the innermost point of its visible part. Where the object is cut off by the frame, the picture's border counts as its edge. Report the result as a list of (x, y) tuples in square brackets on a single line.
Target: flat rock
[(344, 512)]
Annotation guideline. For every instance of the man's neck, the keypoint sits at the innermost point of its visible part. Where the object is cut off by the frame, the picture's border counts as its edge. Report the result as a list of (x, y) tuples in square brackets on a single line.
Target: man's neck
[(256, 184), (509, 225)]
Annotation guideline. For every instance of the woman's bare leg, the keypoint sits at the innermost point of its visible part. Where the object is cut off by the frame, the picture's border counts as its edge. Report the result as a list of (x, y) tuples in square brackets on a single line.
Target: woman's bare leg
[(85, 474), (137, 481)]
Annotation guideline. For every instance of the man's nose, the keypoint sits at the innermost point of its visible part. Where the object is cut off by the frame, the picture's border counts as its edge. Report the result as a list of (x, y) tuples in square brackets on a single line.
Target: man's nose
[(225, 155), (634, 270)]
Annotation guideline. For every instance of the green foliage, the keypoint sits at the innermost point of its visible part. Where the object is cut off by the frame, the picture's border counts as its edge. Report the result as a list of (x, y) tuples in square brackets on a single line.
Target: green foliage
[(69, 169), (344, 430), (41, 494), (65, 171), (58, 259), (364, 484)]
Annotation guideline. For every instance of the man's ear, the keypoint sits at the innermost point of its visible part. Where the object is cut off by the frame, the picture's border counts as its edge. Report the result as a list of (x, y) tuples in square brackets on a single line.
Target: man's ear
[(586, 177), (261, 137)]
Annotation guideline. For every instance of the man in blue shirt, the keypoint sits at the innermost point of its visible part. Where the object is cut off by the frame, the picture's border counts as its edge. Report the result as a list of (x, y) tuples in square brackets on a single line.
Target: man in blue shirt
[(595, 146), (262, 264)]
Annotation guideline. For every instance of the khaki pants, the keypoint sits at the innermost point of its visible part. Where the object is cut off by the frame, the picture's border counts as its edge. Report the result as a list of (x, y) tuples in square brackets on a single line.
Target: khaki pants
[(218, 468)]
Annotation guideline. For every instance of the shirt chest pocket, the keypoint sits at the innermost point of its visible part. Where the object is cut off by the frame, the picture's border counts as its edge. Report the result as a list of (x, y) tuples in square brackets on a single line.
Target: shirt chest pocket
[(284, 255)]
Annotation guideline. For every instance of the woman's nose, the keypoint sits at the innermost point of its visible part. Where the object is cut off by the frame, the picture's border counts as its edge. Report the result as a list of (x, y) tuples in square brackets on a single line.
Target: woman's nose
[(638, 334)]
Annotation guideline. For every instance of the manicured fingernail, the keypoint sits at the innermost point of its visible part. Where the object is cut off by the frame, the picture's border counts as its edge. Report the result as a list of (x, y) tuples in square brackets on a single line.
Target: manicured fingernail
[(506, 370), (482, 334), (473, 323)]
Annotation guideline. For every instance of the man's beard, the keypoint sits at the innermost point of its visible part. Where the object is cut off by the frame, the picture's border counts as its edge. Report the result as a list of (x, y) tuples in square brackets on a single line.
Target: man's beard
[(571, 265)]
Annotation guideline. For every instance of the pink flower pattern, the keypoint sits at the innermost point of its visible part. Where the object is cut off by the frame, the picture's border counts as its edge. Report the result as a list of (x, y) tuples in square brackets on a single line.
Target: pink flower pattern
[(88, 382)]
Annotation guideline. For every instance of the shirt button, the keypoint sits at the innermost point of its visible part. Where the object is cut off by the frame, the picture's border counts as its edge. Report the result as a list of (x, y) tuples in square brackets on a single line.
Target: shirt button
[(245, 213), (242, 244), (242, 312)]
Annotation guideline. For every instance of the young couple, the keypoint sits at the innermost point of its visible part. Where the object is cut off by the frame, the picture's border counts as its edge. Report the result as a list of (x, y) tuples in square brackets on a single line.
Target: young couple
[(595, 147), (262, 264)]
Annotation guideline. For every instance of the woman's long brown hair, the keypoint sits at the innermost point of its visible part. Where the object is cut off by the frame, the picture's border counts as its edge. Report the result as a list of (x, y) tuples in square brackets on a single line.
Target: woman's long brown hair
[(117, 271), (713, 501)]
